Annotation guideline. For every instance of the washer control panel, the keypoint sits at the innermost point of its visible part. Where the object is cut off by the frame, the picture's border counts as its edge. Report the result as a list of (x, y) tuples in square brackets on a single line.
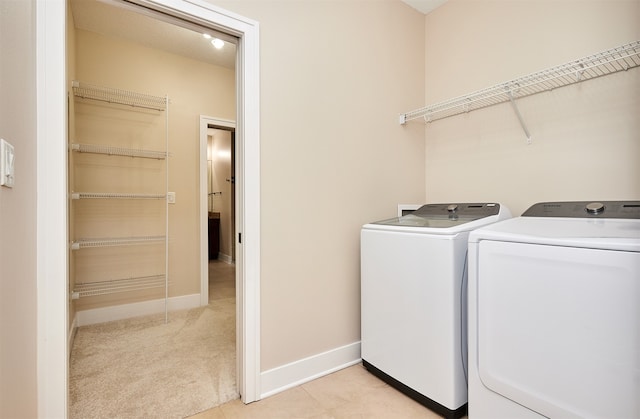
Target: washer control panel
[(448, 215), (474, 210), (586, 209)]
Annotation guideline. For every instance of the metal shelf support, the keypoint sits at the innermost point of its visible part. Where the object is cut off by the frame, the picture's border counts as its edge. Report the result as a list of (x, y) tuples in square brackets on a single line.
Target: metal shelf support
[(517, 112)]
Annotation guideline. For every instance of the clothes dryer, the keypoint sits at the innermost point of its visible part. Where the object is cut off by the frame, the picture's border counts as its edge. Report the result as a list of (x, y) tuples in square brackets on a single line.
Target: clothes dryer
[(413, 285), (554, 313)]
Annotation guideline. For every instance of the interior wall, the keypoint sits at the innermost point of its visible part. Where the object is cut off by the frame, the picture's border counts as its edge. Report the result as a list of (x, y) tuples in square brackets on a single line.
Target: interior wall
[(584, 137), (207, 89), (334, 77), (18, 293)]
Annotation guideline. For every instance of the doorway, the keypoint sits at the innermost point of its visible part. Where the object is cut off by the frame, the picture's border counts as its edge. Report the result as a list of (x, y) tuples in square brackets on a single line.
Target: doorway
[(221, 192), (219, 201), (218, 209), (53, 344)]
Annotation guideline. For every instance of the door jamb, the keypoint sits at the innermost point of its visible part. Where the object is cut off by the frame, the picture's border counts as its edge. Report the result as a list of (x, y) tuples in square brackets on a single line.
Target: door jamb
[(52, 274)]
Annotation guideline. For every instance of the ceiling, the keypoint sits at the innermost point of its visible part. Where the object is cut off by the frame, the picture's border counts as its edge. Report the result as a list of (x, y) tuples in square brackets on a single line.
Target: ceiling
[(120, 20), (185, 39), (425, 6)]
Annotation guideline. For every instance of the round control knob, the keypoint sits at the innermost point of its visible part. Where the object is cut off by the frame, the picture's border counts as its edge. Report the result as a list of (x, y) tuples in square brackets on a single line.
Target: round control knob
[(452, 208), (594, 208)]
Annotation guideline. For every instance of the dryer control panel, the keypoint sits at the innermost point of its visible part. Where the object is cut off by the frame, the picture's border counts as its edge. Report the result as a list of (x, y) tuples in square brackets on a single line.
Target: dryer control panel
[(586, 209)]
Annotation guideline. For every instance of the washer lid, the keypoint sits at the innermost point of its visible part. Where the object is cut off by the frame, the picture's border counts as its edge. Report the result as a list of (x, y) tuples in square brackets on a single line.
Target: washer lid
[(606, 234), (445, 215)]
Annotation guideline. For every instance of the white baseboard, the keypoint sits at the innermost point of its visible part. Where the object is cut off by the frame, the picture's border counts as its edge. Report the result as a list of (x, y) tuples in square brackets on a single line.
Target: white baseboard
[(299, 372), (72, 334), (143, 308), (225, 258)]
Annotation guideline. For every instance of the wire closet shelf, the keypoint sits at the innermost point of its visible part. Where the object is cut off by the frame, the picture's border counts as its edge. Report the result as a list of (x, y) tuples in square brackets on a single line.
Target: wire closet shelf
[(118, 151), (119, 96), (88, 289), (115, 195), (611, 61), (116, 241)]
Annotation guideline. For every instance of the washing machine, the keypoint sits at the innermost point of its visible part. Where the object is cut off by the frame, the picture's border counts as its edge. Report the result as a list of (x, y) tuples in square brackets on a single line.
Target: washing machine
[(413, 288), (554, 313)]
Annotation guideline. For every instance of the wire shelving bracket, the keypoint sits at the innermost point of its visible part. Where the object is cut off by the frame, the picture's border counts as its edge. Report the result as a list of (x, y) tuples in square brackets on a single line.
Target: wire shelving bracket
[(611, 61)]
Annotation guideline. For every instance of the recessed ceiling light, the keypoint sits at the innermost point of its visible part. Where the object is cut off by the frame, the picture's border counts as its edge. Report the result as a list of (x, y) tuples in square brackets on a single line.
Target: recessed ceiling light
[(206, 36), (218, 43)]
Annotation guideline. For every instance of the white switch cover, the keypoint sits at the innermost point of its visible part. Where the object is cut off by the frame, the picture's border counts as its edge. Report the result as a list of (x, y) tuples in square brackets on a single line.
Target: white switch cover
[(6, 164), (171, 197)]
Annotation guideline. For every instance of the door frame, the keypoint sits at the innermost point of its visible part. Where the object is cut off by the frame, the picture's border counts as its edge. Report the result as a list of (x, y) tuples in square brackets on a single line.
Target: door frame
[(205, 122), (52, 322), (51, 189)]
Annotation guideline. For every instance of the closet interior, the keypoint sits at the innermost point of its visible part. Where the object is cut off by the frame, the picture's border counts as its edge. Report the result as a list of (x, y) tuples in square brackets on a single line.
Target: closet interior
[(134, 157), (140, 307)]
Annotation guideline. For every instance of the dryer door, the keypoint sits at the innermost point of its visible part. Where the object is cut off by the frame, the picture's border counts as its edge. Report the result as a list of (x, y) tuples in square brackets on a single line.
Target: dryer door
[(559, 328)]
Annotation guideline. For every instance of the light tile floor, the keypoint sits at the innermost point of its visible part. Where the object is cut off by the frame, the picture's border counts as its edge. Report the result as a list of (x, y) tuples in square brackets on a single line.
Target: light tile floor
[(346, 394)]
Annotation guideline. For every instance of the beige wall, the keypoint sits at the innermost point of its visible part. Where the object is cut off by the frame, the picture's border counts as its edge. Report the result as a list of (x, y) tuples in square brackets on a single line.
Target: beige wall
[(334, 77), (584, 137), (194, 88), (18, 341)]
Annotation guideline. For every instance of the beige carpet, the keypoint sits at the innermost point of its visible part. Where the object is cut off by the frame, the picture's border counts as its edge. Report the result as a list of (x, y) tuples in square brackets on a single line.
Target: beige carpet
[(144, 368)]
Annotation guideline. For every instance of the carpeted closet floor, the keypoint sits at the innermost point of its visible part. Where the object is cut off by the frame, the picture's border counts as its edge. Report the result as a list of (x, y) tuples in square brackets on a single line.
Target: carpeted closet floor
[(143, 368)]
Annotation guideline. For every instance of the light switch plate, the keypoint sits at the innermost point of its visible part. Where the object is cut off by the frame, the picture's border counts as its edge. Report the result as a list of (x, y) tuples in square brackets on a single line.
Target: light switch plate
[(171, 197), (6, 164)]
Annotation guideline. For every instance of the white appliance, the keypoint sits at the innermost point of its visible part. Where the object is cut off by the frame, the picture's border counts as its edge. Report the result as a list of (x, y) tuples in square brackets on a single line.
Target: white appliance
[(554, 313), (413, 300)]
